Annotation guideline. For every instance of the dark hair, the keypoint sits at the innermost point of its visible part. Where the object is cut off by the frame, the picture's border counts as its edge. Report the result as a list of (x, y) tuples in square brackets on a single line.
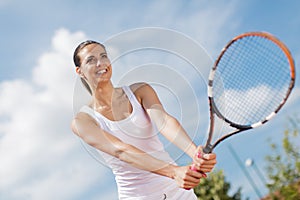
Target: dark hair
[(77, 60)]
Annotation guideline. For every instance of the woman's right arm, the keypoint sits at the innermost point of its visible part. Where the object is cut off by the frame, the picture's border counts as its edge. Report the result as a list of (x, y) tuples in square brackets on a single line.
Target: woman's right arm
[(88, 129)]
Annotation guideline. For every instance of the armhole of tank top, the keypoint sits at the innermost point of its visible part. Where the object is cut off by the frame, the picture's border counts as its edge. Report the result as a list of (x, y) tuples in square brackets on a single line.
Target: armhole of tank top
[(132, 98)]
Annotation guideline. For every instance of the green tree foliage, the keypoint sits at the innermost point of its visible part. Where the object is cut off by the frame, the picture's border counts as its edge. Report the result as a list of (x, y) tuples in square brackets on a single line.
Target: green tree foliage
[(215, 187), (284, 165)]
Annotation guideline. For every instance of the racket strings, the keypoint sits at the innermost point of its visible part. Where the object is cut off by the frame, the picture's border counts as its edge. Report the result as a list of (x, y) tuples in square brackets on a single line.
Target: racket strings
[(251, 80)]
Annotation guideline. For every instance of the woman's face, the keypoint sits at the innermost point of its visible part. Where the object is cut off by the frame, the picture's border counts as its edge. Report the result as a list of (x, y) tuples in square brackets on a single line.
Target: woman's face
[(95, 66)]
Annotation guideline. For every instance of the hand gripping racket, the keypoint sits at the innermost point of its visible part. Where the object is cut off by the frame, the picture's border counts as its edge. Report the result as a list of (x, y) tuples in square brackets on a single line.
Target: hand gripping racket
[(249, 83)]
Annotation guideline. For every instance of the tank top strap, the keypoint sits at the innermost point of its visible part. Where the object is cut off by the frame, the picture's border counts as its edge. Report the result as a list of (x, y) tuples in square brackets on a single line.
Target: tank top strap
[(88, 110), (98, 117), (132, 98)]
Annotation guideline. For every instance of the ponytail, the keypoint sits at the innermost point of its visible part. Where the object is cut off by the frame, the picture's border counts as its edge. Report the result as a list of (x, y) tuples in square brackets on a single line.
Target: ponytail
[(86, 85)]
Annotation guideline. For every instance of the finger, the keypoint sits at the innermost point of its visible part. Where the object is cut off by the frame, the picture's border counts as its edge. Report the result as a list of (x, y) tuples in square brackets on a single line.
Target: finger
[(203, 161), (207, 168), (205, 158), (198, 174), (210, 156), (200, 171), (201, 165), (195, 167), (208, 163), (190, 185), (198, 153), (193, 184)]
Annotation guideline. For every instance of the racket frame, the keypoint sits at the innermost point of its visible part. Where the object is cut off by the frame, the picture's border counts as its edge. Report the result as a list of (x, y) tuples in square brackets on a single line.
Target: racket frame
[(213, 110)]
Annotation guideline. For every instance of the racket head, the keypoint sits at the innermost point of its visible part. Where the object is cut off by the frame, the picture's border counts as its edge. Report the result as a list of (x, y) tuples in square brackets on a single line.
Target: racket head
[(250, 81)]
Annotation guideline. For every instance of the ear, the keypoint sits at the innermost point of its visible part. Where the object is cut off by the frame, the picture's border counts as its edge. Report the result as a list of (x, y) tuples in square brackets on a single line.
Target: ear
[(79, 72)]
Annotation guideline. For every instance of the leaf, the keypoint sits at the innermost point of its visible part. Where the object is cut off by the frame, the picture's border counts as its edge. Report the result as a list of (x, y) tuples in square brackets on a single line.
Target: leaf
[(284, 166)]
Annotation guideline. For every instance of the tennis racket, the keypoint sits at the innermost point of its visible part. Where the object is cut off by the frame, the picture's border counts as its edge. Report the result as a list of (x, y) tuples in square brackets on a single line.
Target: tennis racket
[(249, 83)]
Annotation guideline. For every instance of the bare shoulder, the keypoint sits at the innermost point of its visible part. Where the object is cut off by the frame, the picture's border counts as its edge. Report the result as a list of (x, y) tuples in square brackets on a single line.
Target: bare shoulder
[(145, 94), (141, 90), (141, 87), (81, 120)]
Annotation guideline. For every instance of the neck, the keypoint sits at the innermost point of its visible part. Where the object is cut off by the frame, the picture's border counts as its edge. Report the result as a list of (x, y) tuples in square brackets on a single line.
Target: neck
[(102, 95)]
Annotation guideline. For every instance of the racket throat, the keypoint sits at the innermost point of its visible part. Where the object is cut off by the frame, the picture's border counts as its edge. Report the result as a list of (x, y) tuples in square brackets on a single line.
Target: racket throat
[(208, 148)]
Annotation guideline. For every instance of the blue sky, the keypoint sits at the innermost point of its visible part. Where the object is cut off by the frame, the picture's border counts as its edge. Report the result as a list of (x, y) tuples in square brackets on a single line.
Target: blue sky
[(42, 159)]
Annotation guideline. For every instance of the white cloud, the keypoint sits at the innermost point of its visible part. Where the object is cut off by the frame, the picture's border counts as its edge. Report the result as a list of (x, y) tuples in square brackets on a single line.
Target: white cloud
[(249, 106), (55, 70), (40, 157)]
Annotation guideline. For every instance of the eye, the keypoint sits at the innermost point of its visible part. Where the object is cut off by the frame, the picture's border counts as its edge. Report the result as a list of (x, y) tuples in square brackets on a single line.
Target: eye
[(104, 56), (91, 60)]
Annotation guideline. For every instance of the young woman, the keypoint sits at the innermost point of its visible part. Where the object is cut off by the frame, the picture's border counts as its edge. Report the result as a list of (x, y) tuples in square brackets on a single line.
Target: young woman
[(122, 123)]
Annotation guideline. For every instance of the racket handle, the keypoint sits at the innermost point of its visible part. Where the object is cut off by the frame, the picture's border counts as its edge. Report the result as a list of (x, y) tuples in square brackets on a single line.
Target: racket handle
[(208, 149)]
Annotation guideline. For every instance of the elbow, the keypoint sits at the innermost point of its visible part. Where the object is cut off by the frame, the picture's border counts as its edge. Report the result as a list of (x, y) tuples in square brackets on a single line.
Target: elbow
[(121, 151), (119, 154), (174, 121)]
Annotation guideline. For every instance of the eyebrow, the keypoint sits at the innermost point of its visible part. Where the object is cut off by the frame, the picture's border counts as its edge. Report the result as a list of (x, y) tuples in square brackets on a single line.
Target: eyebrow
[(89, 57), (92, 56)]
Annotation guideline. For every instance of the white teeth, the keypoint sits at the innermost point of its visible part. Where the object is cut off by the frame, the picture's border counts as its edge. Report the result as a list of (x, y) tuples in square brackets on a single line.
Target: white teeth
[(102, 71)]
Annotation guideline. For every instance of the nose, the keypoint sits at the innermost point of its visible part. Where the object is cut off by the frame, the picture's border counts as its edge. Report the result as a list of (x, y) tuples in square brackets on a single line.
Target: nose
[(98, 63)]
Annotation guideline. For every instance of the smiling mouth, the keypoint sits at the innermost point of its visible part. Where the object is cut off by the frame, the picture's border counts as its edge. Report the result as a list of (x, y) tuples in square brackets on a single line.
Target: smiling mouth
[(102, 71)]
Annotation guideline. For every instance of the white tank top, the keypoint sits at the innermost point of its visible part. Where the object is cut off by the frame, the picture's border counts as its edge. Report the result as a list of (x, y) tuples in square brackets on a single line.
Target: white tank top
[(137, 130)]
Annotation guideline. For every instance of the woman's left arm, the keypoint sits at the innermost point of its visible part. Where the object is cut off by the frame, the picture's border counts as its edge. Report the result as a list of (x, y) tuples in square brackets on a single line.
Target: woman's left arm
[(171, 128), (168, 126)]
